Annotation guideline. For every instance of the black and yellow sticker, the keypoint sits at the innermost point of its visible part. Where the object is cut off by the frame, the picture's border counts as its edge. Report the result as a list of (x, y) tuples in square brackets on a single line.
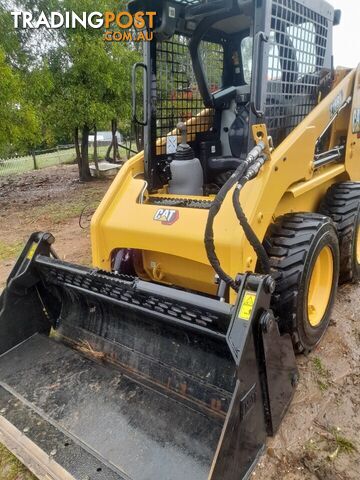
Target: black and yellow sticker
[(247, 305), (31, 251)]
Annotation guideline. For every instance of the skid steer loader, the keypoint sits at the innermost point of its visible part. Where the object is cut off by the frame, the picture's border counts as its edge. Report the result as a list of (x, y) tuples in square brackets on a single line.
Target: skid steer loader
[(216, 256)]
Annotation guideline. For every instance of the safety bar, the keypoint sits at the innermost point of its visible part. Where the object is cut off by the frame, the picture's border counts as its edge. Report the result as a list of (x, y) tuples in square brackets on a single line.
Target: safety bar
[(144, 122), (260, 40)]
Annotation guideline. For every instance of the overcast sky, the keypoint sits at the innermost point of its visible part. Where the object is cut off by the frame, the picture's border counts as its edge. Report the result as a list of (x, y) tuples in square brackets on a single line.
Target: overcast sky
[(346, 35)]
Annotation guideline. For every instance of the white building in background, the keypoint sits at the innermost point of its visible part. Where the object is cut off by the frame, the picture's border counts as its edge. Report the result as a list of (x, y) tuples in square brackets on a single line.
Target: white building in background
[(105, 138)]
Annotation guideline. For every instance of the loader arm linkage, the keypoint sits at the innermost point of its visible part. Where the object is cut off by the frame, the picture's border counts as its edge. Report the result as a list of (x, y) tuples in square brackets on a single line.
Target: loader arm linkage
[(208, 409)]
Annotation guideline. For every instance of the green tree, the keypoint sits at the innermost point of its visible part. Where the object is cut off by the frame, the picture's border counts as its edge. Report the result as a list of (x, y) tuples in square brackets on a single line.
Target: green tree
[(90, 90), (19, 126), (74, 80)]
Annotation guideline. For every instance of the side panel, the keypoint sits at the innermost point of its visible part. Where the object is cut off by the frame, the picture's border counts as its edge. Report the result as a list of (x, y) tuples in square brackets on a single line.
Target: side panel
[(353, 140), (307, 196), (291, 164)]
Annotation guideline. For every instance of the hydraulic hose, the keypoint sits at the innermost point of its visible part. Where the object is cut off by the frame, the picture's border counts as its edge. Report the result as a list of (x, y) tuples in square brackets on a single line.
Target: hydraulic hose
[(209, 231), (259, 249), (235, 178)]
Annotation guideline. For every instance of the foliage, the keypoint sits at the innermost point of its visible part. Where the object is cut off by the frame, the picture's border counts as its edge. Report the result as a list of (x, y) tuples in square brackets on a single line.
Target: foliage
[(343, 444), (323, 376), (9, 251), (94, 87), (54, 83), (19, 126)]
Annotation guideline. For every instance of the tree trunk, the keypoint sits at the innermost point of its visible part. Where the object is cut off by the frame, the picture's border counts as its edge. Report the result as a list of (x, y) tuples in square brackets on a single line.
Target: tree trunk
[(96, 158), (116, 150), (114, 139), (114, 146), (128, 144), (84, 169), (77, 147), (107, 156)]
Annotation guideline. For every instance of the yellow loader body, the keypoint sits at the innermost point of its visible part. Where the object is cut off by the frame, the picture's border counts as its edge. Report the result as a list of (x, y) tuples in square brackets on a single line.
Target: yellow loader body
[(175, 254), (216, 256)]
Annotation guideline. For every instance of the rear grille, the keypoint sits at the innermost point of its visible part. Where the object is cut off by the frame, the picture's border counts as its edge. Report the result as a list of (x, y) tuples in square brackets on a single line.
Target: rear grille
[(181, 203)]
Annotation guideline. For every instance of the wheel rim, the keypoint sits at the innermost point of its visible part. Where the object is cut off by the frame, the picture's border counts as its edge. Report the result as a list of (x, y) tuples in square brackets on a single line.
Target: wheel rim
[(358, 245), (320, 286)]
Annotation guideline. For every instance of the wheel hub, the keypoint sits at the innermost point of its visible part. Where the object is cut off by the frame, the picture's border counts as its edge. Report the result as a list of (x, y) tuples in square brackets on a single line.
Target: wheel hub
[(320, 286)]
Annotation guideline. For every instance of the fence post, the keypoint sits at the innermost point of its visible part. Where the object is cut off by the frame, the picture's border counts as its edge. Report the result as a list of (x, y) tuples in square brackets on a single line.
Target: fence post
[(34, 160)]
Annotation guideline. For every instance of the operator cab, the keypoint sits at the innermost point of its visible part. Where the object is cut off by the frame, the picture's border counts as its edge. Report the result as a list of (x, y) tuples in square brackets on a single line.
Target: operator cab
[(221, 67)]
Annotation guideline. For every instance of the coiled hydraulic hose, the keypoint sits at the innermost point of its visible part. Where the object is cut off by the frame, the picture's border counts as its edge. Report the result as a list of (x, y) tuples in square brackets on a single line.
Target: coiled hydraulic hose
[(209, 231), (246, 171)]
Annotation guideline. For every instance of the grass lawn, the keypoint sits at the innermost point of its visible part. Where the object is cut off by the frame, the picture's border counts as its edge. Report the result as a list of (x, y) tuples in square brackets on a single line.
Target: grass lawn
[(11, 468)]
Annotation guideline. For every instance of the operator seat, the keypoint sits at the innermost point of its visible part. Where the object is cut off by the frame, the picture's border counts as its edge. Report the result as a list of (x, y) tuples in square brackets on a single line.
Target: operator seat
[(220, 168)]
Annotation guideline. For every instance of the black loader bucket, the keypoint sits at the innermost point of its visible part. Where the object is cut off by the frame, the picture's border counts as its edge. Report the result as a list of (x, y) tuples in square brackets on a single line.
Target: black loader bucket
[(104, 376)]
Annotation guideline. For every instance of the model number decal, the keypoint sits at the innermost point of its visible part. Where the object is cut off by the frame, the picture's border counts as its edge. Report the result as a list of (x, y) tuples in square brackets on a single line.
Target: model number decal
[(167, 216), (356, 121), (336, 104)]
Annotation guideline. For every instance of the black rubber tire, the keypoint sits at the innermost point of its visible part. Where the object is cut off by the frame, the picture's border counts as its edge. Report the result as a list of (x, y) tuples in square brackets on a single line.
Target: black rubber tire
[(342, 204), (293, 244)]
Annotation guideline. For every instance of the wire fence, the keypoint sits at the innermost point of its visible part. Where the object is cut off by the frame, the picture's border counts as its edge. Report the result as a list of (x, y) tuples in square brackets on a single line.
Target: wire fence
[(62, 155)]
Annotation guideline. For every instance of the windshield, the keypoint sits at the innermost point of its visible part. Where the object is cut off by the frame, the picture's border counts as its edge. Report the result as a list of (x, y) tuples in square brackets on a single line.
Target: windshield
[(304, 47), (274, 66)]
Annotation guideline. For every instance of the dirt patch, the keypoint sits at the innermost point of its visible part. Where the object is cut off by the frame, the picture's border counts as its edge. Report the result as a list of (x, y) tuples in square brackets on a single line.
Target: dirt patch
[(47, 200), (319, 438), (38, 186)]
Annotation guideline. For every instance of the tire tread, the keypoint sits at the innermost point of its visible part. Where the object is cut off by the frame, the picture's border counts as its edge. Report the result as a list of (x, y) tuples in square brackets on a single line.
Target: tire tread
[(341, 204), (287, 244)]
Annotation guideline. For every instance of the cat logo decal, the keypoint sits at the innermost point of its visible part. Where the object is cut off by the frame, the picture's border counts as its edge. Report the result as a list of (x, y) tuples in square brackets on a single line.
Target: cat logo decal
[(167, 216)]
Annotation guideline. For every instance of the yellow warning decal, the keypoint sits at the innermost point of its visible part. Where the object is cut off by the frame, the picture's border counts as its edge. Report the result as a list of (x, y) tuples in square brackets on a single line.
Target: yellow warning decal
[(31, 251), (247, 305)]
